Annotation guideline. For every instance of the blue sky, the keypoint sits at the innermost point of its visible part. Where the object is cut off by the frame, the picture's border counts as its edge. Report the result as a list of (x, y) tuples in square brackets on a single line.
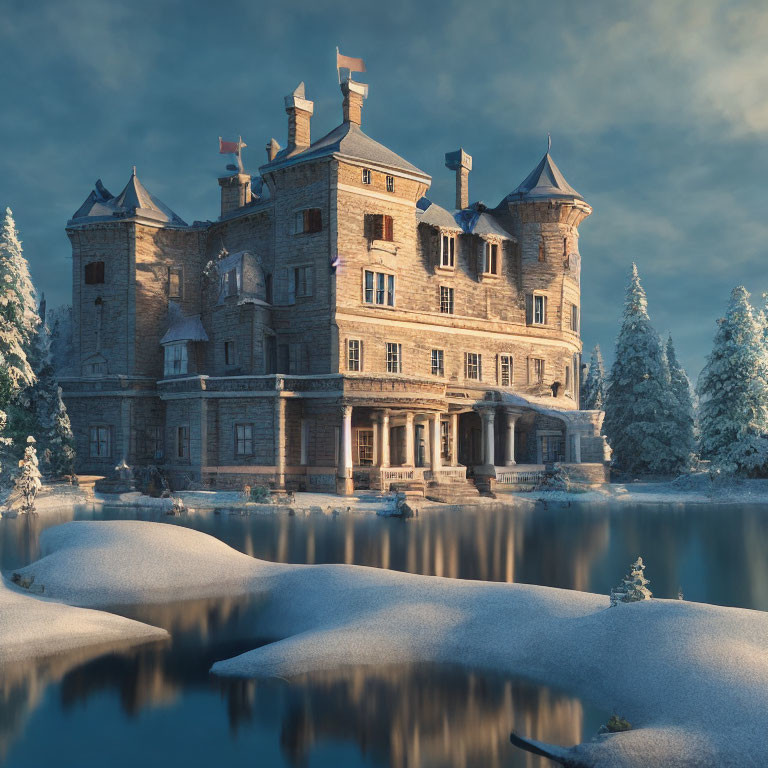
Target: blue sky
[(657, 109)]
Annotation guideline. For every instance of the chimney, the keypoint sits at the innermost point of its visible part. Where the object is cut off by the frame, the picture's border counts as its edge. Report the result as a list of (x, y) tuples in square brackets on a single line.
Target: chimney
[(299, 112), (235, 192), (460, 162), (272, 149), (354, 93)]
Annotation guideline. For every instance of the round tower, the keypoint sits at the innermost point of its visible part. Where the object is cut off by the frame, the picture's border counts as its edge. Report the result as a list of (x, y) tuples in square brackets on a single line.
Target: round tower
[(544, 214)]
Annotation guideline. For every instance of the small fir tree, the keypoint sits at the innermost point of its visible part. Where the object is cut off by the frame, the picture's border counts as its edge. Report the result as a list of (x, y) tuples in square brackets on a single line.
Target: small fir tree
[(594, 386), (637, 409), (733, 391), (27, 482), (633, 587), (682, 442)]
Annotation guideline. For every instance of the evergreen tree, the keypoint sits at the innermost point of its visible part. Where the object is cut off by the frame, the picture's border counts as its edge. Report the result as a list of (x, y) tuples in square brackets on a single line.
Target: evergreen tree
[(637, 410), (594, 386), (59, 322), (27, 482), (682, 444), (633, 587), (733, 387)]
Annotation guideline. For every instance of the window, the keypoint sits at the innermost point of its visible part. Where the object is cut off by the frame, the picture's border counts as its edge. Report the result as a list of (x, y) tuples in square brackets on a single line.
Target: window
[(379, 288), (447, 251), (536, 373), (229, 353), (308, 221), (268, 288), (175, 359), (182, 442), (365, 447), (445, 439), (390, 183), (298, 360), (302, 281), (473, 366), (366, 176), (505, 370), (354, 355), (153, 442), (229, 283), (394, 358), (446, 300), (244, 439), (100, 442), (568, 378), (378, 226), (94, 273), (535, 309), (574, 318), (551, 448), (438, 362), (490, 258), (175, 282), (542, 252)]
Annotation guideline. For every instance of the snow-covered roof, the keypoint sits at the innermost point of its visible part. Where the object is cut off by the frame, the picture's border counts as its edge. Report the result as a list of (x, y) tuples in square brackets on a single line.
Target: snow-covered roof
[(470, 221), (347, 141), (134, 202), (544, 181), (435, 216), (185, 329)]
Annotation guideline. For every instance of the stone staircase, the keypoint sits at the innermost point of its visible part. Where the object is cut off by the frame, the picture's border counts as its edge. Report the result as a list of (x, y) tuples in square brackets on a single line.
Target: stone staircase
[(453, 491)]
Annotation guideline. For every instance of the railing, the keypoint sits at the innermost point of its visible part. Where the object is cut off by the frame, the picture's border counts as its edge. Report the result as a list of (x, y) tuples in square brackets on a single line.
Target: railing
[(531, 477), (400, 474), (448, 473)]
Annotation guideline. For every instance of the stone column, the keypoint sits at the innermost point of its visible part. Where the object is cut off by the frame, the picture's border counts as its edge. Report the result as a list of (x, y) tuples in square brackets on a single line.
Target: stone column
[(488, 437), (304, 442), (280, 442), (576, 458), (409, 457), (434, 443), (454, 439), (512, 417), (344, 484), (384, 433)]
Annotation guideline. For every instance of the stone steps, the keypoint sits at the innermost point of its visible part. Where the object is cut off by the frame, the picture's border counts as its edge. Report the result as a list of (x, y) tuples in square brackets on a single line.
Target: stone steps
[(454, 491)]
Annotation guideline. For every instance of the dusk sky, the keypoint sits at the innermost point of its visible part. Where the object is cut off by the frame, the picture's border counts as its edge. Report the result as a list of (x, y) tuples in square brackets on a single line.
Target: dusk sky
[(658, 112)]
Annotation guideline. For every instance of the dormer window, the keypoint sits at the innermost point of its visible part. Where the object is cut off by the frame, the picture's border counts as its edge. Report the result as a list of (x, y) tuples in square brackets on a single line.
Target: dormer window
[(366, 176), (94, 273), (490, 258), (175, 359), (447, 251)]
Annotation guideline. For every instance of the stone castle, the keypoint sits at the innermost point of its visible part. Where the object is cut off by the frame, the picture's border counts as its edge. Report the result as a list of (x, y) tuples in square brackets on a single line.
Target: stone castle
[(333, 329)]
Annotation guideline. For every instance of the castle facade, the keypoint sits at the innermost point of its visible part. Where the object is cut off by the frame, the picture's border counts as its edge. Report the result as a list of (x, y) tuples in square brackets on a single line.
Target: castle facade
[(333, 328)]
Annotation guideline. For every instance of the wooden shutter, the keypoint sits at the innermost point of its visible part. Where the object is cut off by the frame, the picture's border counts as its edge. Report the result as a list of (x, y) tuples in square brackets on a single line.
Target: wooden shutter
[(529, 309), (544, 307), (388, 228), (314, 221), (310, 281), (528, 369), (378, 227)]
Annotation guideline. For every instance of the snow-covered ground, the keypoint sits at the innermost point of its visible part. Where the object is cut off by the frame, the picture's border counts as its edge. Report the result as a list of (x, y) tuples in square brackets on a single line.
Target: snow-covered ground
[(691, 678)]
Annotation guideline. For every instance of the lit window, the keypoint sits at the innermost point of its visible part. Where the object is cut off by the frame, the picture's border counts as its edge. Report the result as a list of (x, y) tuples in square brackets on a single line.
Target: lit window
[(229, 352), (182, 442), (446, 300), (302, 281), (438, 366), (244, 439), (394, 358), (175, 359), (100, 442), (366, 176), (473, 366), (447, 251), (365, 447), (379, 288), (490, 258), (354, 356), (94, 273), (390, 183), (174, 282), (505, 370)]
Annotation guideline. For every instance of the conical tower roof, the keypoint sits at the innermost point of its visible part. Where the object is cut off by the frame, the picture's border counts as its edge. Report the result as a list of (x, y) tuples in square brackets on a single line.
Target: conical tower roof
[(545, 181)]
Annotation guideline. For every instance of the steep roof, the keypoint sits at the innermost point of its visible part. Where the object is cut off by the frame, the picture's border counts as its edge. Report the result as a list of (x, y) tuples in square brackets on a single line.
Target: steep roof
[(543, 182), (472, 221), (184, 329), (135, 201), (347, 141)]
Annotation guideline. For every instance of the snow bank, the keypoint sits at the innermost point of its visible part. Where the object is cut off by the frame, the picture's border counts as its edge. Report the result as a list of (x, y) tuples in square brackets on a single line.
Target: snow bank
[(691, 678), (32, 627)]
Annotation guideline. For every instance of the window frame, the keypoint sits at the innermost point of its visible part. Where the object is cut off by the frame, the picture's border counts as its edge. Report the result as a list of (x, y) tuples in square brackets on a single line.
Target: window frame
[(490, 259), (437, 362), (307, 221), (394, 357), (103, 437), (303, 281), (180, 361), (510, 365), (366, 461), (446, 300), (355, 364), (93, 273), (574, 324), (473, 365), (246, 441), (182, 441), (230, 347), (447, 255), (367, 176), (381, 285), (177, 272), (540, 363), (390, 183)]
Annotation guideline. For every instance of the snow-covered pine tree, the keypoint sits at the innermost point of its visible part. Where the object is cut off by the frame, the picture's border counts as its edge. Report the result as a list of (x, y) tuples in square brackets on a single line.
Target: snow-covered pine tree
[(59, 322), (60, 451), (633, 587), (682, 444), (637, 410), (594, 388), (27, 482), (733, 387)]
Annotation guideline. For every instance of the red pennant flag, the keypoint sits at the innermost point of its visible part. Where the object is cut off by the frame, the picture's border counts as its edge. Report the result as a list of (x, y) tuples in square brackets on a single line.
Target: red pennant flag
[(229, 147), (348, 62)]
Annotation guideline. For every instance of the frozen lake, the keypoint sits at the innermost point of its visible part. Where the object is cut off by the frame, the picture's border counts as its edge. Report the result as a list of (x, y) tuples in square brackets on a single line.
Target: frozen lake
[(161, 707)]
